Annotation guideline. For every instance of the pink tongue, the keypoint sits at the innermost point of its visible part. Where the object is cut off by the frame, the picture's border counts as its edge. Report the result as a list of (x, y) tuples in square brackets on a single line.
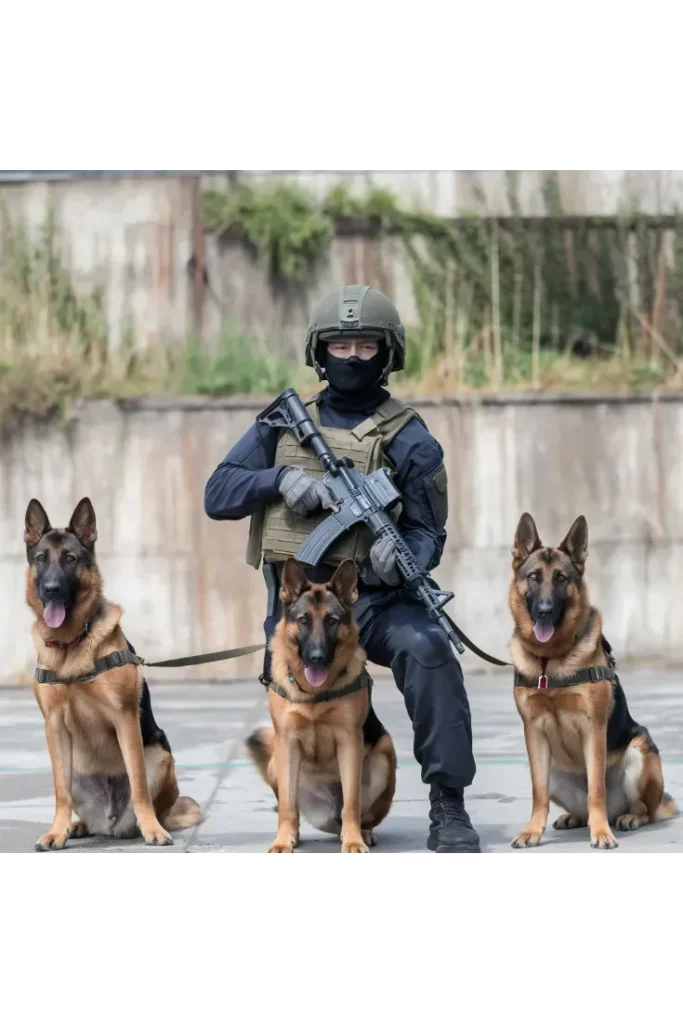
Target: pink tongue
[(315, 676), (543, 631), (54, 614)]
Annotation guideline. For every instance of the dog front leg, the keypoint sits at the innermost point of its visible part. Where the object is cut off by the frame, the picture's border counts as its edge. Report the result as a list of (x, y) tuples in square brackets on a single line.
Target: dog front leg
[(538, 750), (60, 747), (350, 758), (130, 741), (595, 752), (288, 767)]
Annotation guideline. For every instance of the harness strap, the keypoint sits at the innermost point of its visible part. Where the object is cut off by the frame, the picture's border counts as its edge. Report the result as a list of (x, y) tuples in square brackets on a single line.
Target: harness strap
[(113, 660), (118, 658), (586, 675), (361, 682)]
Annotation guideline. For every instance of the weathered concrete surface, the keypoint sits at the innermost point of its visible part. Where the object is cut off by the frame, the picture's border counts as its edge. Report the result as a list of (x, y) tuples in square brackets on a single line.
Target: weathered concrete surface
[(183, 581), (462, 193), (139, 240), (206, 726)]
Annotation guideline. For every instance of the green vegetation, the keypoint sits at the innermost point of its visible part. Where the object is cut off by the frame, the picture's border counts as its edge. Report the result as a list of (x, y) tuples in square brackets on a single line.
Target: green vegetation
[(501, 303), (507, 302)]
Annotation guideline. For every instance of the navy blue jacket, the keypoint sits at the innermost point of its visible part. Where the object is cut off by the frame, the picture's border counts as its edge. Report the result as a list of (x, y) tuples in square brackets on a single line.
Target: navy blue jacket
[(247, 478)]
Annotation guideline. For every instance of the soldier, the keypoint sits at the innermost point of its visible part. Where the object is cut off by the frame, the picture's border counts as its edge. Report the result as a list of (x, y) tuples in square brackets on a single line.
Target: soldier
[(270, 478)]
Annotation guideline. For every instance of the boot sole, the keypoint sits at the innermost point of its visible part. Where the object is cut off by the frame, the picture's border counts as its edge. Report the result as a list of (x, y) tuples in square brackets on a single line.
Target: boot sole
[(437, 847)]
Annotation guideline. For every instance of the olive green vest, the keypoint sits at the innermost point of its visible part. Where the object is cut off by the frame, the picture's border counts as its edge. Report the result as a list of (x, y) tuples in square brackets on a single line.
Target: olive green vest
[(276, 533)]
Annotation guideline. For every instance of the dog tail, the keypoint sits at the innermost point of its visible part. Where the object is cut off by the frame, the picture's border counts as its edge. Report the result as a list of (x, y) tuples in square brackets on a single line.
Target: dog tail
[(260, 747), (184, 813), (667, 809)]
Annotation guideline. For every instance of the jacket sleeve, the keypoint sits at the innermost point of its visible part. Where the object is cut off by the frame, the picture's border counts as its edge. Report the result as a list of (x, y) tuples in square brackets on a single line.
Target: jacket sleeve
[(246, 479), (421, 479)]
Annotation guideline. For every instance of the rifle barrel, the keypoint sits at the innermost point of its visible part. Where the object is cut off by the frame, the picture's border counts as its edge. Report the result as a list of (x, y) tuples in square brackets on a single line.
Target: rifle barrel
[(306, 431)]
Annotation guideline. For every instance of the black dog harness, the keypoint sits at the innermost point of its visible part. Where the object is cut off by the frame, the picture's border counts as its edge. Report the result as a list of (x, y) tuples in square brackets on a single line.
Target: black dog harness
[(586, 675), (118, 658), (113, 660), (361, 682)]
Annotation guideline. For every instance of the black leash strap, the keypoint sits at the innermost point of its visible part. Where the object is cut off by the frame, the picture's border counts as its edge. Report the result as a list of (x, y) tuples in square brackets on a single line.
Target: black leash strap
[(204, 659), (473, 647), (118, 658)]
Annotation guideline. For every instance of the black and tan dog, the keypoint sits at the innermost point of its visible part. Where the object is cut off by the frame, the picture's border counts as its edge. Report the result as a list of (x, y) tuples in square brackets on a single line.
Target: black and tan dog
[(111, 763), (586, 753), (328, 755)]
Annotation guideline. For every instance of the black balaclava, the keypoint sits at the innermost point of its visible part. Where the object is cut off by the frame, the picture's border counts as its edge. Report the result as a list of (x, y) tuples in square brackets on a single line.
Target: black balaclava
[(355, 384)]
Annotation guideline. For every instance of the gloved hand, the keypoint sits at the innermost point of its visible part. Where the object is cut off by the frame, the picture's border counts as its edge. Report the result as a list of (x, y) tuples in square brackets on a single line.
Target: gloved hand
[(383, 561), (303, 493)]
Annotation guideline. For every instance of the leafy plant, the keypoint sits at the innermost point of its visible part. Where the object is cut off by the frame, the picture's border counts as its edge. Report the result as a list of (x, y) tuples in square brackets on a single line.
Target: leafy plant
[(281, 221)]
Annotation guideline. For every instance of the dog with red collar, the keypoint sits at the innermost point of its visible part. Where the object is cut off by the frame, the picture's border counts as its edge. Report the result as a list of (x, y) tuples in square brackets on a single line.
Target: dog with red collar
[(586, 752)]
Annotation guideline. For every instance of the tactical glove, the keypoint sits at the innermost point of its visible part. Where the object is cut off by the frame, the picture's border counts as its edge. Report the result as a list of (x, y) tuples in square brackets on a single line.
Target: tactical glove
[(383, 561), (303, 493)]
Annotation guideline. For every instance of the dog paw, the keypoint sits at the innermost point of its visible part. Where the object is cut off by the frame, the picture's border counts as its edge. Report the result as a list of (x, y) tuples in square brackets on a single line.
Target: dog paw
[(79, 830), (369, 838), (526, 839), (354, 846), (286, 845), (603, 840), (157, 837), (569, 821), (52, 841), (627, 822)]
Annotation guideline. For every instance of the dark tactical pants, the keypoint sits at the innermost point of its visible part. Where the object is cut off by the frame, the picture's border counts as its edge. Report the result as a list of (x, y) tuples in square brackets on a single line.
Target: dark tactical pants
[(398, 634)]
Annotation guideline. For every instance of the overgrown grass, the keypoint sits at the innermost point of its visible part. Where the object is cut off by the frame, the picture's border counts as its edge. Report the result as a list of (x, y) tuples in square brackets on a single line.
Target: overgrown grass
[(496, 312), (499, 300)]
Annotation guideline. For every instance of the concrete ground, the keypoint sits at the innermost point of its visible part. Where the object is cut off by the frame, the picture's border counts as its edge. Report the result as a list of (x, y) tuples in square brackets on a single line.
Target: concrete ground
[(206, 725)]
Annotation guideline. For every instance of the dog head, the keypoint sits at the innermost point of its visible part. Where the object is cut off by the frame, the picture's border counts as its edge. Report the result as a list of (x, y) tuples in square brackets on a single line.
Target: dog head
[(62, 566), (318, 619), (548, 596)]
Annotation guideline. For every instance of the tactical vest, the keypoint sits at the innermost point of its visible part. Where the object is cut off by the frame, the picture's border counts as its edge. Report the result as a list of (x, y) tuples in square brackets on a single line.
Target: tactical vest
[(276, 533)]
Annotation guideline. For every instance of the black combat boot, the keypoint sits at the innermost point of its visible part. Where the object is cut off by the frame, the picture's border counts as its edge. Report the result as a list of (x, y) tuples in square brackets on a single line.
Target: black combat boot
[(450, 829)]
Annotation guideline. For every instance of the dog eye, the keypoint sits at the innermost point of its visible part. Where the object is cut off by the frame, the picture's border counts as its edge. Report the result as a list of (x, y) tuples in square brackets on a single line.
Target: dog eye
[(561, 577), (332, 620), (535, 576), (69, 558), (40, 557), (303, 619)]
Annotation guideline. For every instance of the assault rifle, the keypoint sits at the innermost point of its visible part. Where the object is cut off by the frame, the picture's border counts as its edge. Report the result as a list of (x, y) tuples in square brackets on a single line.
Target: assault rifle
[(360, 498)]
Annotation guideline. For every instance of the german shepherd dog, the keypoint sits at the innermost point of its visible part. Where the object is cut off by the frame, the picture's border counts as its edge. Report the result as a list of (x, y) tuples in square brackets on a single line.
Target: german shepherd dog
[(586, 753), (331, 759), (111, 763)]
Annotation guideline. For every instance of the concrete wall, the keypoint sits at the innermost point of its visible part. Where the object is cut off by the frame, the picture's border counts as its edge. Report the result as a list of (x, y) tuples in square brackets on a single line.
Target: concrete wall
[(182, 578), (487, 193), (130, 237), (136, 239)]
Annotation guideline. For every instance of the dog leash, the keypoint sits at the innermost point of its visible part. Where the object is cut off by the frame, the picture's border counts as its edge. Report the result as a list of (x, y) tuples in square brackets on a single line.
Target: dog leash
[(473, 647), (118, 658)]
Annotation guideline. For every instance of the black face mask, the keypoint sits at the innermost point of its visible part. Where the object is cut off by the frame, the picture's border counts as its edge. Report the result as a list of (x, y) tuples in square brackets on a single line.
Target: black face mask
[(355, 376)]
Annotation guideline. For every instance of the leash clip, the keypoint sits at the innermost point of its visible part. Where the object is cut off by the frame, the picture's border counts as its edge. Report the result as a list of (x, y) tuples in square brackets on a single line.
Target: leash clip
[(543, 681)]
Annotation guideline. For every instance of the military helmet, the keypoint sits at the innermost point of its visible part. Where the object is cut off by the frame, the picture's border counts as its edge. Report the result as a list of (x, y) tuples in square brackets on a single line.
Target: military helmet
[(353, 310)]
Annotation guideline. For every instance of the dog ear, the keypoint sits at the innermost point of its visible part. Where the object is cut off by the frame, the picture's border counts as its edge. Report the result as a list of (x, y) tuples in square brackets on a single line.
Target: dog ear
[(575, 544), (83, 523), (526, 540), (344, 583), (36, 523), (294, 581)]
